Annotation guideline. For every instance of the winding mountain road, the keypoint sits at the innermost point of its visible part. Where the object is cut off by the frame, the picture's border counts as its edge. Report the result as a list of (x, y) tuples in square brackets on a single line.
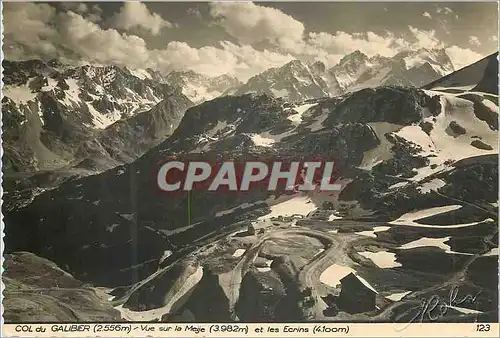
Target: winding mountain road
[(309, 274)]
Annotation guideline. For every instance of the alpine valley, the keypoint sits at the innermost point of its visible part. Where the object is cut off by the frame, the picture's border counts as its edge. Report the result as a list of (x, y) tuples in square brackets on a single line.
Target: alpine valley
[(90, 237)]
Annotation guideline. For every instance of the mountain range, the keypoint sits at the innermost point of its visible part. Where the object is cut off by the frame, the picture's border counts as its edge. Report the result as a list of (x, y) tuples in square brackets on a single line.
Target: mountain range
[(59, 115), (419, 175), (297, 81)]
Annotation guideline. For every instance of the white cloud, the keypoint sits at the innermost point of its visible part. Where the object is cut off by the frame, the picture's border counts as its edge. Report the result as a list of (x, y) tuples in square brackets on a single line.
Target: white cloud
[(137, 15), (95, 14), (251, 61), (250, 23), (76, 37), (444, 25), (425, 39), (77, 7), (474, 40), (342, 43), (48, 34), (91, 42), (206, 60), (462, 57), (32, 38), (229, 58), (427, 15)]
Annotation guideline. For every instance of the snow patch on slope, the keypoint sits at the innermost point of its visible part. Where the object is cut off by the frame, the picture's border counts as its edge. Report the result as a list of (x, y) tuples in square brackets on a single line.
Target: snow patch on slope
[(298, 205), (19, 94), (297, 118), (411, 218)]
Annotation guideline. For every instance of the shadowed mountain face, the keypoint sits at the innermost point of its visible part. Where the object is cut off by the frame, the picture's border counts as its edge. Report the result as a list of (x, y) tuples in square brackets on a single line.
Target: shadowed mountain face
[(417, 166)]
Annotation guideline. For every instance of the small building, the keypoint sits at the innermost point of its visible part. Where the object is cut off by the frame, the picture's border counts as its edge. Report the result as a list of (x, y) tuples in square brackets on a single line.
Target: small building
[(356, 295)]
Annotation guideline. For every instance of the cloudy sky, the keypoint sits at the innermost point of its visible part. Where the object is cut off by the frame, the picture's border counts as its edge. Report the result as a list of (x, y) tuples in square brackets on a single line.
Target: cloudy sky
[(243, 39)]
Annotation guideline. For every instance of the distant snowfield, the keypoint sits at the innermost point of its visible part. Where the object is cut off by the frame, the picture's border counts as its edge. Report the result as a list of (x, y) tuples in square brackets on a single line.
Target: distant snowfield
[(492, 252), (435, 184), (19, 94), (382, 259), (156, 314), (396, 297), (372, 82), (410, 218), (334, 273), (318, 121), (266, 139), (262, 141), (297, 118), (371, 233), (432, 242), (461, 111), (425, 241), (298, 205), (199, 93), (238, 253)]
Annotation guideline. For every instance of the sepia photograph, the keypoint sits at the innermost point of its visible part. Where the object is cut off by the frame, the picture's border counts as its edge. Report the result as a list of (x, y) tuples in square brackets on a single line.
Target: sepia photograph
[(250, 162)]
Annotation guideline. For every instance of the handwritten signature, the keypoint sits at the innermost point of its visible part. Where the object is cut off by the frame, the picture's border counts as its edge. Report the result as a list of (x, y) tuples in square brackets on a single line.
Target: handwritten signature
[(435, 307)]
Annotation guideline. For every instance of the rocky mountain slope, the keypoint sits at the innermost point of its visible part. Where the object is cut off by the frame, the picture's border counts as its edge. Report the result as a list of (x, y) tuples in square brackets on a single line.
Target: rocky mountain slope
[(61, 122), (414, 164), (295, 81), (55, 115)]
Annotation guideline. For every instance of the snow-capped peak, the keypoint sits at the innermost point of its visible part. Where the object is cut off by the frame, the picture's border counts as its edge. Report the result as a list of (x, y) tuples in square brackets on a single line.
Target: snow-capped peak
[(199, 88)]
